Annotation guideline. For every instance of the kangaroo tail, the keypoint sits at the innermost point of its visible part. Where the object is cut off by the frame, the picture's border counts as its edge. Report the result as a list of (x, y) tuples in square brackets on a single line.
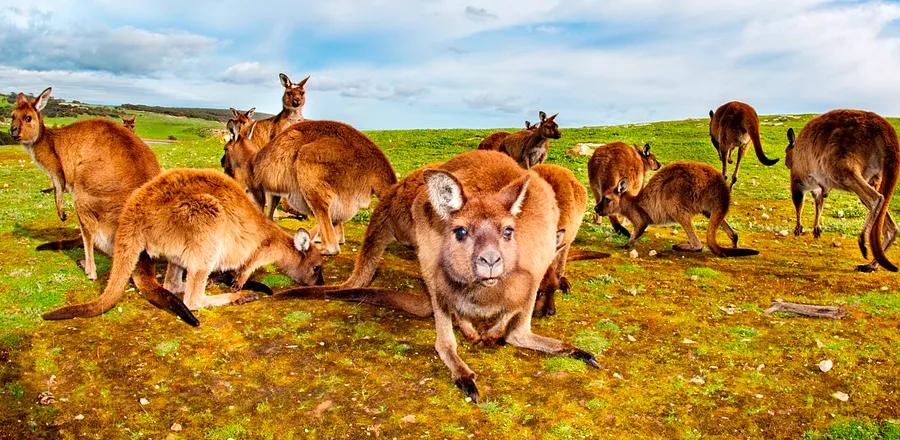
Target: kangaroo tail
[(145, 280), (716, 217), (378, 236), (579, 255), (888, 182), (753, 131), (60, 245), (415, 303)]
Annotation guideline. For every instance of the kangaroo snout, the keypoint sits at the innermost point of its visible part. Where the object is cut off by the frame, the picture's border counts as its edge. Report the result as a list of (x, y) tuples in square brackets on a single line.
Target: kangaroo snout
[(488, 264)]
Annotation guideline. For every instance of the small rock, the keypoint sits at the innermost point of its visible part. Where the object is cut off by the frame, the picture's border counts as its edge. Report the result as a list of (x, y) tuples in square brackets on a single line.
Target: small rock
[(617, 375), (79, 417), (688, 341), (468, 399), (840, 395), (762, 207), (697, 380), (764, 216), (840, 213), (144, 401), (820, 344), (783, 233), (652, 253), (631, 338), (835, 243), (825, 365), (409, 419), (175, 427), (759, 396), (633, 254), (884, 288), (827, 206), (656, 235), (694, 278)]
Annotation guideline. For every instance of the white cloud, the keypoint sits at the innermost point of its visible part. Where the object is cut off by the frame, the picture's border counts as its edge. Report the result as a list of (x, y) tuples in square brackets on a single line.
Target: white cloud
[(250, 72)]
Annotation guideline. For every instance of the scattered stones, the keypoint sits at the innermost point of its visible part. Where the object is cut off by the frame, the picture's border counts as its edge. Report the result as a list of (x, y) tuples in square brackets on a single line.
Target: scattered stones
[(826, 365), (584, 149), (764, 216), (617, 375), (143, 401), (688, 341), (840, 395), (46, 398), (631, 338), (634, 253), (175, 427), (79, 417), (697, 380), (652, 253), (783, 233), (840, 213), (694, 278), (835, 243), (408, 419), (820, 344), (759, 396)]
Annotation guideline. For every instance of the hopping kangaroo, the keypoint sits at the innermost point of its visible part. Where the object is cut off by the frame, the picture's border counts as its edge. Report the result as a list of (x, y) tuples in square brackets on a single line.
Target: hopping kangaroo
[(484, 232), (613, 162), (854, 151), (736, 125), (200, 221), (101, 163), (571, 199), (324, 168), (492, 141), (677, 193), (529, 147), (129, 123)]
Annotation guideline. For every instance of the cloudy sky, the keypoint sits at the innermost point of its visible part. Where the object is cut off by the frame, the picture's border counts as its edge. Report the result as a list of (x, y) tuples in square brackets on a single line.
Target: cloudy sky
[(434, 63)]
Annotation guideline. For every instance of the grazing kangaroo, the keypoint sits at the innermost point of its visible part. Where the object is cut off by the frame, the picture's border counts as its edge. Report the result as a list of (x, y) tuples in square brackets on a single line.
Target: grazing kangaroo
[(101, 163), (528, 147), (571, 199), (736, 124), (324, 168), (201, 221), (855, 151), (677, 193), (129, 123), (485, 233), (492, 141), (611, 163)]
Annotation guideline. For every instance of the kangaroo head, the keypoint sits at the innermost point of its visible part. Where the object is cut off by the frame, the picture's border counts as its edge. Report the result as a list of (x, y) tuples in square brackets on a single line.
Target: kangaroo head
[(547, 127), (478, 234), (294, 94), (611, 202), (240, 149), (129, 123), (647, 158), (27, 120), (302, 261), (789, 151)]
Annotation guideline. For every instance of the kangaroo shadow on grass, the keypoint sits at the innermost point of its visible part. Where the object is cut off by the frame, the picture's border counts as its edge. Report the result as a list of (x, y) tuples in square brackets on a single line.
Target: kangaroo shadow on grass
[(51, 234)]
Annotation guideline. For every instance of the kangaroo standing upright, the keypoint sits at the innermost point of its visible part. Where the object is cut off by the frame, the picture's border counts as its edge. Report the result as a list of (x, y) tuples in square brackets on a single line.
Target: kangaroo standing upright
[(492, 141), (611, 163), (528, 147), (855, 151), (129, 123), (736, 125), (101, 163)]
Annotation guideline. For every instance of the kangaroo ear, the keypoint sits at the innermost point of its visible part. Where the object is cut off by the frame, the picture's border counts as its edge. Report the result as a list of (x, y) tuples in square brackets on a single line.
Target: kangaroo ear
[(542, 115), (513, 194), (43, 99), (21, 99), (234, 112), (711, 114), (647, 150), (302, 83), (250, 112), (560, 235), (553, 117), (444, 192), (285, 81), (791, 138), (622, 186), (527, 125), (249, 134), (232, 129), (302, 241)]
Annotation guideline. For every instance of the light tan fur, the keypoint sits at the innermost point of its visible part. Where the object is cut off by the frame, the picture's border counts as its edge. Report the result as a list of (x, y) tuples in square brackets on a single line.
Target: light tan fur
[(484, 232), (677, 193), (129, 123), (736, 125), (201, 222), (855, 151), (611, 163)]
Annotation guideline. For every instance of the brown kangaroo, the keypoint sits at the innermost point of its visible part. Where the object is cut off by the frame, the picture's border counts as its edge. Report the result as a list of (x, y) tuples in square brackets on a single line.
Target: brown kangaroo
[(129, 123), (200, 221), (736, 124), (855, 151), (485, 233), (611, 163), (492, 141), (677, 193), (101, 163), (324, 168), (528, 147)]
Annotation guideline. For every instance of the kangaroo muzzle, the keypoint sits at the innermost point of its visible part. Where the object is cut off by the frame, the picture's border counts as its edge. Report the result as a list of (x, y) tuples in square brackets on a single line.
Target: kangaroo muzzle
[(488, 265)]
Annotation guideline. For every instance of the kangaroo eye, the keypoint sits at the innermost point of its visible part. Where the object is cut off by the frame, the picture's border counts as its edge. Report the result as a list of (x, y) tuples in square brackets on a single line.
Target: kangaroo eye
[(460, 233), (508, 233), (28, 118), (317, 270)]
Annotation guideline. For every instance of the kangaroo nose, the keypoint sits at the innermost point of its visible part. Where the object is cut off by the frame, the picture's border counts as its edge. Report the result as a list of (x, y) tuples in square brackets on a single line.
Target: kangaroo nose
[(295, 102), (489, 258), (598, 208)]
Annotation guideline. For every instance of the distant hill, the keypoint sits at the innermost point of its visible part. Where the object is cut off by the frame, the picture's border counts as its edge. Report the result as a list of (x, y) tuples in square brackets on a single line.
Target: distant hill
[(209, 114)]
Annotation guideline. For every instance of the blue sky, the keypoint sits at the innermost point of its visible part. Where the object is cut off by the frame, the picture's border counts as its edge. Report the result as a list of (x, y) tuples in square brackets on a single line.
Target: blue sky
[(432, 63)]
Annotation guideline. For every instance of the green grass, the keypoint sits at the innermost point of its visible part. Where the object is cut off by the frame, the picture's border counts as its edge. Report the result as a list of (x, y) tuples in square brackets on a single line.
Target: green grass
[(261, 369)]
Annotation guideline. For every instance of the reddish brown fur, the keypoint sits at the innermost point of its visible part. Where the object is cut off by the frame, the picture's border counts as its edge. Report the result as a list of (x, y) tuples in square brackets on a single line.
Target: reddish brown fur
[(492, 141), (855, 151), (611, 163), (129, 123), (736, 125), (489, 196), (201, 222), (292, 102), (101, 163), (677, 193), (528, 147)]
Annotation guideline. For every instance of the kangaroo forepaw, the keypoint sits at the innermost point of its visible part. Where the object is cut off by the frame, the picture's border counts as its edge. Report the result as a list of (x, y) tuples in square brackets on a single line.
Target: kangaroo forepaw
[(256, 286), (817, 232), (798, 230), (467, 385), (867, 268), (564, 285), (621, 230), (584, 356)]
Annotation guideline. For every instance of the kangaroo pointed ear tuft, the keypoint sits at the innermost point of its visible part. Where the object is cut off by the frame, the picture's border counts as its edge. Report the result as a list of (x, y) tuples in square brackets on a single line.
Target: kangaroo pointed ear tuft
[(622, 186), (513, 195), (560, 235), (250, 130), (234, 112), (711, 114), (647, 150), (43, 99), (527, 125), (21, 99), (232, 129), (553, 118), (444, 192), (790, 136), (302, 83), (250, 113), (542, 115), (285, 81), (302, 241)]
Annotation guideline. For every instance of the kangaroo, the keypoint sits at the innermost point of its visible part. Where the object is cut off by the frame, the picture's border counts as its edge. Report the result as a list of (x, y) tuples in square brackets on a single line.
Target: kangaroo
[(611, 163), (492, 141), (528, 147), (677, 193), (324, 168), (855, 151), (129, 123), (484, 232), (201, 221), (571, 199), (736, 124), (101, 163)]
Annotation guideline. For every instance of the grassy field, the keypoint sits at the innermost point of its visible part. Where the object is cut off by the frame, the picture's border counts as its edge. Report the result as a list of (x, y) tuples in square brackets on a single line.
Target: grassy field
[(684, 347)]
